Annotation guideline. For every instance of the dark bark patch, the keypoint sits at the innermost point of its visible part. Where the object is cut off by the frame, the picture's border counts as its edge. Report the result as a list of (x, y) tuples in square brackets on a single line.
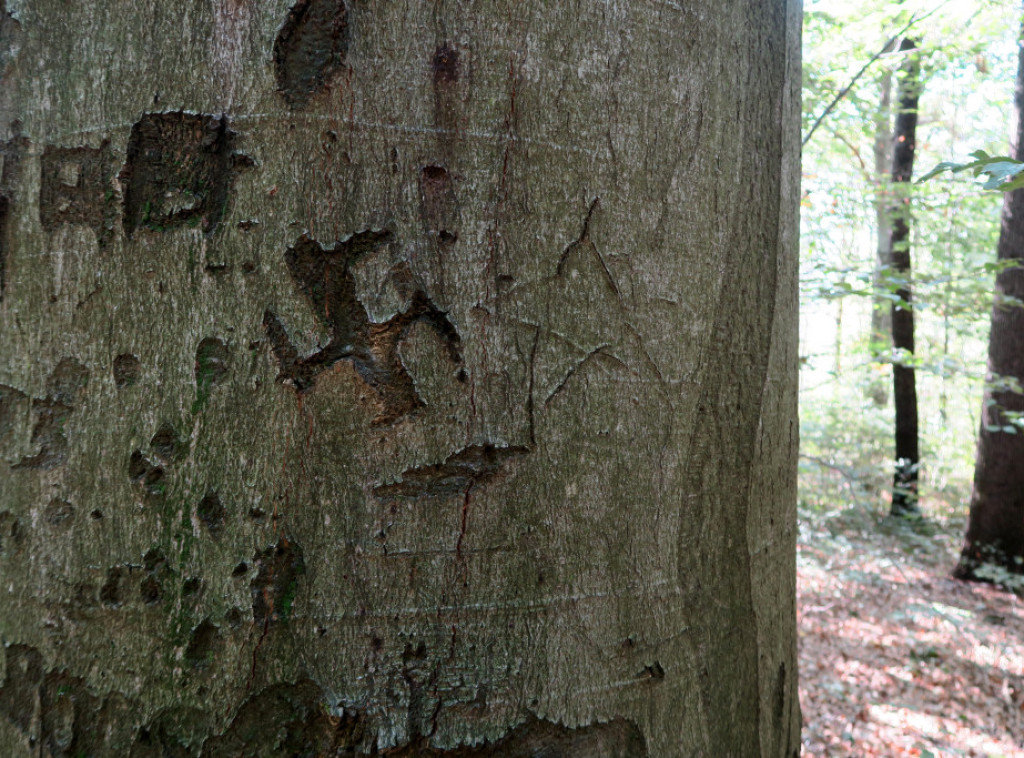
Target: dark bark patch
[(435, 179), (65, 705), (202, 645), (83, 596), (323, 275), (437, 202), (58, 512), (167, 445), (290, 719), (445, 64), (172, 734), (5, 219), (66, 381), (779, 709), (154, 560), (178, 172), (192, 587), (151, 590), (310, 47), (12, 534), (148, 477), (19, 694), (48, 436), (233, 617), (12, 404), (654, 671), (58, 710), (276, 583), (12, 152), (127, 370), (212, 513), (459, 471), (77, 187), (210, 369), (114, 590), (617, 738)]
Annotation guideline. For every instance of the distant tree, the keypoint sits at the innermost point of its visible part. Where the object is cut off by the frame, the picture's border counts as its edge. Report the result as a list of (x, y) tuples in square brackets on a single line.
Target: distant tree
[(904, 494)]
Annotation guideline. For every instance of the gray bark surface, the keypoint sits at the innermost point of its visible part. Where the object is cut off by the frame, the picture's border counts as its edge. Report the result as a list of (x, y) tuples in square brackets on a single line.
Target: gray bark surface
[(398, 378)]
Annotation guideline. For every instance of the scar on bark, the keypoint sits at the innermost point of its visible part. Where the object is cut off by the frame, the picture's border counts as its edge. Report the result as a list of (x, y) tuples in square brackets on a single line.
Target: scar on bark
[(535, 737), (310, 47), (179, 170), (126, 369), (584, 239), (12, 533), (291, 719), (76, 186), (459, 471), (202, 645), (324, 277), (445, 64), (62, 716), (211, 366), (147, 476), (212, 513), (12, 403), (11, 153), (52, 412), (286, 718), (275, 585), (151, 589)]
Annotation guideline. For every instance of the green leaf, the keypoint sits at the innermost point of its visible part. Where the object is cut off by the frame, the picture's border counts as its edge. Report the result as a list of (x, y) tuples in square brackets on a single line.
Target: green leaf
[(1001, 172)]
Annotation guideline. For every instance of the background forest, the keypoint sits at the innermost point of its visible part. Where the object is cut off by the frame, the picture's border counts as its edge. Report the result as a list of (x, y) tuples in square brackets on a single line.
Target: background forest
[(897, 657)]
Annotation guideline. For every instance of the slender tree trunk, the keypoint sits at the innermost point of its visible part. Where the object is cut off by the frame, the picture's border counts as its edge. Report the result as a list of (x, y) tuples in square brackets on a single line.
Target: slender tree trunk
[(881, 307), (995, 528), (398, 378), (905, 493)]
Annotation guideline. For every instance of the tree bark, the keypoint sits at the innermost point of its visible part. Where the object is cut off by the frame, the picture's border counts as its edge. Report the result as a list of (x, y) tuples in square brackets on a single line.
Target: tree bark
[(908, 458), (398, 378), (995, 527)]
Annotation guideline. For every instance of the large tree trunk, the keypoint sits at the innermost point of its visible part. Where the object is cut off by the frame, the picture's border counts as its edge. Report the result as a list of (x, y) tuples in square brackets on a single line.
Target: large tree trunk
[(908, 457), (399, 376), (995, 528)]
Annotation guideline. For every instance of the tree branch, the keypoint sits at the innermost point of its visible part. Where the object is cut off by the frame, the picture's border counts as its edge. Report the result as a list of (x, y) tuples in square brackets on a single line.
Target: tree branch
[(887, 47)]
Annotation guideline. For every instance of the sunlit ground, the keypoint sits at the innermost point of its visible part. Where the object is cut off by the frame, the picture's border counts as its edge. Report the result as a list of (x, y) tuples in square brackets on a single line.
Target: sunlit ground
[(896, 657)]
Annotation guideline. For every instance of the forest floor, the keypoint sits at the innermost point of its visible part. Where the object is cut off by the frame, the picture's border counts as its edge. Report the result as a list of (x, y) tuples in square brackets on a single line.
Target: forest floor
[(896, 657)]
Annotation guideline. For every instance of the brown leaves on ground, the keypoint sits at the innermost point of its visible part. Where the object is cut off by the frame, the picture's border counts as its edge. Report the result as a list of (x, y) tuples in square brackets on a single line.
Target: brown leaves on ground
[(896, 657)]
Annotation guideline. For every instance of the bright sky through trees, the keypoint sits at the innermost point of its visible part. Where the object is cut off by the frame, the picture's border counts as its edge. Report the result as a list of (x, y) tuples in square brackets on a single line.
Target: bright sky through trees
[(969, 61)]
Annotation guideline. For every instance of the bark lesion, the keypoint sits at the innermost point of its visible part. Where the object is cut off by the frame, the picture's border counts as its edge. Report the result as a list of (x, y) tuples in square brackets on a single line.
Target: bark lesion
[(77, 187), (325, 276), (310, 47), (65, 384), (12, 153), (178, 172), (275, 586), (457, 474)]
